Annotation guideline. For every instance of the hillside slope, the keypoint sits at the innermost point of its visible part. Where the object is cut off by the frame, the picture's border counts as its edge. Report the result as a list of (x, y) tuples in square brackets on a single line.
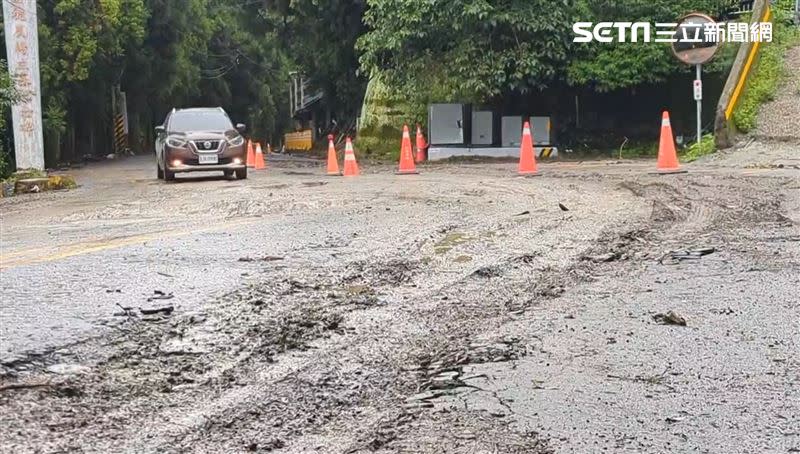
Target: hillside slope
[(780, 118)]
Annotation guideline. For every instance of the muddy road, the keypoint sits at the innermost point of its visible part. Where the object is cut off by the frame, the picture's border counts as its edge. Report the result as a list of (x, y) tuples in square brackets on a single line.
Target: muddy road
[(596, 308)]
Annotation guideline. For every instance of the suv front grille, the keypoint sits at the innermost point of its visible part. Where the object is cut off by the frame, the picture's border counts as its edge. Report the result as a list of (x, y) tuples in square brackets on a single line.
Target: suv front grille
[(206, 145)]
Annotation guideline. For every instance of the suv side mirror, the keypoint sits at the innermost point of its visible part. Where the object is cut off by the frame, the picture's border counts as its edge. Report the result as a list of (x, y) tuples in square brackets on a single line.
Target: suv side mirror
[(241, 127), (160, 129)]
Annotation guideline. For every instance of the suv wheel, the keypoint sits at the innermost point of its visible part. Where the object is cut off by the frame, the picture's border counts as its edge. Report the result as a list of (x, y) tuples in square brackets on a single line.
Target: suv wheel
[(241, 174), (168, 174)]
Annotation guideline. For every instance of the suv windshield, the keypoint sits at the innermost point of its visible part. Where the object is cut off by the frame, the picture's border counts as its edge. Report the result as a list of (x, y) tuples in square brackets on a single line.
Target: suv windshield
[(199, 121)]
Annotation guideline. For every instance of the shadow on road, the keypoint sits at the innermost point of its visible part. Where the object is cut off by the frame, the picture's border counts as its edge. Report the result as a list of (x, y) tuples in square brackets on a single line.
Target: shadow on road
[(194, 178)]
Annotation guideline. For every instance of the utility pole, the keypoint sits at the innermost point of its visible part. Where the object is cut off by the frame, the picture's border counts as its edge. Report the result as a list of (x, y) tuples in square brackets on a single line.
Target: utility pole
[(698, 96), (22, 48)]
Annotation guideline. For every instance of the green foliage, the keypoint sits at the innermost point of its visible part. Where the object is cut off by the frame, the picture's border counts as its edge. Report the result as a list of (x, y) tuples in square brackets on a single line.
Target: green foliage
[(385, 110), (611, 66), (177, 53), (83, 46), (768, 71), (5, 164), (8, 96), (696, 150), (54, 117), (320, 37), (78, 35), (637, 150), (466, 49), (162, 54), (472, 50)]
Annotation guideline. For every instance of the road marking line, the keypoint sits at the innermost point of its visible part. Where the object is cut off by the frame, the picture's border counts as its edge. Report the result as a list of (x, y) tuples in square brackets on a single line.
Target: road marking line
[(30, 256)]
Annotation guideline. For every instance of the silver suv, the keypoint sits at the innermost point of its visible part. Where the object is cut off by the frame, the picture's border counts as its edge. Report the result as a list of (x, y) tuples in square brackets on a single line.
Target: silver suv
[(200, 140)]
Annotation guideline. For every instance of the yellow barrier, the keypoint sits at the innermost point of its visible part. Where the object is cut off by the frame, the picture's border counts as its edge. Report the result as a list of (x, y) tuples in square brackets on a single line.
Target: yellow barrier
[(300, 140), (724, 130), (746, 72)]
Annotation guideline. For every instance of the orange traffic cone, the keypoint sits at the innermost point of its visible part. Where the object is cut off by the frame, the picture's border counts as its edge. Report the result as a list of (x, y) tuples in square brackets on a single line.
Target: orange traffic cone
[(350, 164), (667, 156), (527, 157), (407, 166), (422, 147), (333, 161), (251, 155), (259, 164)]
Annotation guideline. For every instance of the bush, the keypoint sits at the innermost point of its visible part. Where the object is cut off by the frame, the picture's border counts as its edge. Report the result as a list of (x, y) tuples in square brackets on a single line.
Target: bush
[(8, 96), (61, 182), (768, 71), (698, 149), (5, 164)]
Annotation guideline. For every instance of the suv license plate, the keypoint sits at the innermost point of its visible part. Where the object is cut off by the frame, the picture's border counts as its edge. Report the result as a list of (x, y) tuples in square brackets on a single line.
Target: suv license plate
[(208, 159)]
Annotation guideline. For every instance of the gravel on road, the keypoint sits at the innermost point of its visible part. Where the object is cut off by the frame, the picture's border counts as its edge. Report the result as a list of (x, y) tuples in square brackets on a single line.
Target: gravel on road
[(461, 310)]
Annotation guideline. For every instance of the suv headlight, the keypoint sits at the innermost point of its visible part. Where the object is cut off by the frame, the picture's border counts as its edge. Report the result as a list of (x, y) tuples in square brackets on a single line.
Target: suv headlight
[(176, 142), (235, 141)]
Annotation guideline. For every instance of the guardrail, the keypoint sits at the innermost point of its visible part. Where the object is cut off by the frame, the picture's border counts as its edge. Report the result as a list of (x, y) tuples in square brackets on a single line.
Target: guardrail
[(724, 130)]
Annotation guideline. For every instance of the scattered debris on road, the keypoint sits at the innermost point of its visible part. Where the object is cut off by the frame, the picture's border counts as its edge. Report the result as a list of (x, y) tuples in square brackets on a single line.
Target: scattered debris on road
[(488, 272), (159, 295), (67, 369), (602, 258), (675, 257), (14, 386), (166, 310), (670, 318), (126, 311), (267, 258), (483, 318)]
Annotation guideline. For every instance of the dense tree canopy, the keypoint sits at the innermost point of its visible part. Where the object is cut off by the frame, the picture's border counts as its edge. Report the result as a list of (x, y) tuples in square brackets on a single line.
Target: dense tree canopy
[(469, 49), (474, 49), (239, 54), (8, 96), (610, 66), (321, 37)]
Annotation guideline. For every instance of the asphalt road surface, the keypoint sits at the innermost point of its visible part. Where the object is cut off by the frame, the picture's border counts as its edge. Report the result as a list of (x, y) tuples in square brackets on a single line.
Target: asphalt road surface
[(461, 310)]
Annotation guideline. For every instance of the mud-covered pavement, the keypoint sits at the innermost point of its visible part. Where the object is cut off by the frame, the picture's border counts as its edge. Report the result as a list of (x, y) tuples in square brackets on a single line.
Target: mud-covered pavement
[(461, 310)]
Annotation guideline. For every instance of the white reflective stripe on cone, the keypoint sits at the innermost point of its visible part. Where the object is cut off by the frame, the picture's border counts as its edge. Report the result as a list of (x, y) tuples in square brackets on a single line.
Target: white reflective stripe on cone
[(665, 122)]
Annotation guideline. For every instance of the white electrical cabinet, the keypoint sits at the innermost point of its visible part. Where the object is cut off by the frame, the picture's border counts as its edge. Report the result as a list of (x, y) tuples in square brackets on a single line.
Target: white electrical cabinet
[(511, 130), (446, 124), (482, 128)]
